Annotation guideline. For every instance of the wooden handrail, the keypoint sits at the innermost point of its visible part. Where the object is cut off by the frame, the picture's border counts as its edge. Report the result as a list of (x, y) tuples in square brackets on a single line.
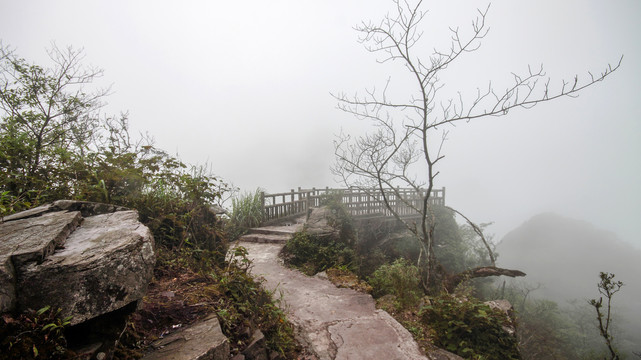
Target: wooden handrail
[(358, 202)]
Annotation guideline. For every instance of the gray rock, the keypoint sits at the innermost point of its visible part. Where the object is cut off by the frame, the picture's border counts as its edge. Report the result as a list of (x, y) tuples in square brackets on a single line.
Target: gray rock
[(87, 267), (7, 284), (256, 350), (34, 239), (105, 265), (440, 354), (508, 310), (26, 240), (86, 208), (201, 341), (318, 222)]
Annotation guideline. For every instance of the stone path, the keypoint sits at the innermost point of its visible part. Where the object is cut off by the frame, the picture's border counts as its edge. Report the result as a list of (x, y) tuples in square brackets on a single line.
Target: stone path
[(335, 323)]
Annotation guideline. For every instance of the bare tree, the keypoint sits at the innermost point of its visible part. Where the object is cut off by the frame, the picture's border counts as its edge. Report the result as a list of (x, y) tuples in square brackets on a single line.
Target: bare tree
[(406, 144)]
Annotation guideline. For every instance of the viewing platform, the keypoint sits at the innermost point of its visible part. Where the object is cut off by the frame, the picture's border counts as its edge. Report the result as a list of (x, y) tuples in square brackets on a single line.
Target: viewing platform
[(358, 202)]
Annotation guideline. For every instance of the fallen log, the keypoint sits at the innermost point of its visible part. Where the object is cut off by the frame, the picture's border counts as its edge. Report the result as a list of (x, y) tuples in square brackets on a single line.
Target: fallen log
[(484, 271)]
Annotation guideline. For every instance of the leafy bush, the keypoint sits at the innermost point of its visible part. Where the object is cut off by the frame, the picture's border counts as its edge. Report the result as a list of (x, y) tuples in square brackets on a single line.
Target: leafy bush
[(400, 279), (470, 329), (313, 254), (34, 335)]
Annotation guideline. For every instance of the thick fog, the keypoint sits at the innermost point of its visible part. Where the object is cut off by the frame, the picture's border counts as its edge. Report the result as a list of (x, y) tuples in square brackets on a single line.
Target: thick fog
[(245, 86)]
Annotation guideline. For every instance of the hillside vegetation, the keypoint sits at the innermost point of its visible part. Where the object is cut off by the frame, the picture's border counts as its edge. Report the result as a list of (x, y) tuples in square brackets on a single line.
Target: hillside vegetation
[(55, 144), (378, 257)]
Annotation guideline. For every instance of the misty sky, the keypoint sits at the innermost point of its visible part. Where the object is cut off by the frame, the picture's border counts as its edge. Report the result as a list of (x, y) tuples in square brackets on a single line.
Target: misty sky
[(245, 86)]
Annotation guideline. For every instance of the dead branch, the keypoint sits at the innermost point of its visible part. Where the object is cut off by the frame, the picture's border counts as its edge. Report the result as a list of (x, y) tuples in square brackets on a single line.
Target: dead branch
[(453, 281)]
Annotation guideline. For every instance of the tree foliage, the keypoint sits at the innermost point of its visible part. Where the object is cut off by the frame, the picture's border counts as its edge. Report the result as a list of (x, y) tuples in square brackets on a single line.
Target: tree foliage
[(54, 144), (49, 119)]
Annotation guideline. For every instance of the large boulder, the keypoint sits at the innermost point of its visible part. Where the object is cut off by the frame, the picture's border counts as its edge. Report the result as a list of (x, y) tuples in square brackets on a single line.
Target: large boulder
[(87, 259), (321, 221)]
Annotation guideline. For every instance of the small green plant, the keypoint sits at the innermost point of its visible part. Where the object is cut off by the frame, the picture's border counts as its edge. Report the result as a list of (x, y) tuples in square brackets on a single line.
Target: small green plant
[(247, 212), (401, 279), (469, 328), (34, 335)]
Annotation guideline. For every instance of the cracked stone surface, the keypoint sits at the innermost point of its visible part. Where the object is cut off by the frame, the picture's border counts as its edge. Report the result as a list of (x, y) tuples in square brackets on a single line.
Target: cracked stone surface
[(334, 323), (201, 341), (86, 259)]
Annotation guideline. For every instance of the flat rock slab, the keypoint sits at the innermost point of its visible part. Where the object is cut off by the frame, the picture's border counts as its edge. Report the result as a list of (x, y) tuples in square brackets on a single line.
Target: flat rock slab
[(284, 229), (29, 240), (87, 259), (271, 234), (335, 323), (201, 341), (24, 241), (265, 238)]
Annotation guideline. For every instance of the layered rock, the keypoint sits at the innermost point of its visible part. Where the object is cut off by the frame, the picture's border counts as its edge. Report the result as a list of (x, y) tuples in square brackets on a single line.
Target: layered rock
[(318, 222), (201, 341), (87, 259)]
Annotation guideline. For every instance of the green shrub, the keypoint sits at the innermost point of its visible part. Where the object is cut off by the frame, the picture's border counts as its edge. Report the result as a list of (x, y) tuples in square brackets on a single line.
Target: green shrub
[(401, 279), (34, 335), (469, 328), (313, 254), (371, 261)]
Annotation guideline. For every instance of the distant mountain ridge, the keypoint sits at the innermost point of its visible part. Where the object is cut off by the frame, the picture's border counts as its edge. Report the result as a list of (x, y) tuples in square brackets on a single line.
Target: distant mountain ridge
[(565, 256)]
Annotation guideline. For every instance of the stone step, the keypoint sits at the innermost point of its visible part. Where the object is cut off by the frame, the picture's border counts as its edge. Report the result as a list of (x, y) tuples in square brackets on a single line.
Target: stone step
[(266, 238), (276, 230)]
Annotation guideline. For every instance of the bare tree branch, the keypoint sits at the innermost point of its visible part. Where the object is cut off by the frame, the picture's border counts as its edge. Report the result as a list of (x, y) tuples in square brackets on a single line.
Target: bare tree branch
[(405, 147)]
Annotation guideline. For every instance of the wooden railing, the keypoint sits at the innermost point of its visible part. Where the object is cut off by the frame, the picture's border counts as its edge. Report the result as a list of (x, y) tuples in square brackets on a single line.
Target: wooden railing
[(358, 202)]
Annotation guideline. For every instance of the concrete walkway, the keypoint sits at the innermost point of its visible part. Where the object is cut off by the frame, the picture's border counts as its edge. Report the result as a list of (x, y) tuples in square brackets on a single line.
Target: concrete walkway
[(334, 323)]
